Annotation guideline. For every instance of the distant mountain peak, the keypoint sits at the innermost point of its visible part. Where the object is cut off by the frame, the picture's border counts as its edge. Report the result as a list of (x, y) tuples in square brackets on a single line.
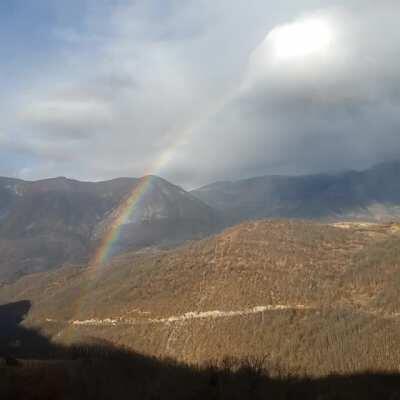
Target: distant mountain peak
[(45, 223)]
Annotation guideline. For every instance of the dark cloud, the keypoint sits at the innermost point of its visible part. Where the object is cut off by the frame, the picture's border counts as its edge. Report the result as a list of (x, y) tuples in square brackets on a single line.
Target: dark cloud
[(321, 112), (214, 90)]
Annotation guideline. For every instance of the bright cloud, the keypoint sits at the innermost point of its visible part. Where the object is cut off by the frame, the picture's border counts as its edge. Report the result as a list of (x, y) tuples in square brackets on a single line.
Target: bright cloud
[(203, 90)]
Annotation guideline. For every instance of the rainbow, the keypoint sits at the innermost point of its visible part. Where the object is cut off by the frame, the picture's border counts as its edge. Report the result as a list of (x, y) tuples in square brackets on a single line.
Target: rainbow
[(124, 211), (103, 252), (127, 208)]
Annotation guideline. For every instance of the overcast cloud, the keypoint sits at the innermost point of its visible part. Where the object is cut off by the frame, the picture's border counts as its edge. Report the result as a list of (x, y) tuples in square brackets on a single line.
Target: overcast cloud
[(197, 91)]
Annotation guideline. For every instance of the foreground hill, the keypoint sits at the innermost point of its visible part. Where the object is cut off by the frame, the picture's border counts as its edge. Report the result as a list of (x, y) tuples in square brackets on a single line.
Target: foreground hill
[(373, 194), (47, 223), (102, 371), (306, 297)]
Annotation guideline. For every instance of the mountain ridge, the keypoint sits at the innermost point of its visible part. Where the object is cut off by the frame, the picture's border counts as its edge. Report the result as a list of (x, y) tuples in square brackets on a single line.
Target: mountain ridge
[(369, 194), (46, 223)]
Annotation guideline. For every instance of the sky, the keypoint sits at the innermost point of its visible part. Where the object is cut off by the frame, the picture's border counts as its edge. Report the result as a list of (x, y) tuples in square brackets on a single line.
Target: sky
[(197, 91)]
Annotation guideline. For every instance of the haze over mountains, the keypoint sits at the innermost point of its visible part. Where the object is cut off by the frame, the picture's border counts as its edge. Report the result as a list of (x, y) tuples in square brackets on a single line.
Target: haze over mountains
[(373, 194), (47, 223)]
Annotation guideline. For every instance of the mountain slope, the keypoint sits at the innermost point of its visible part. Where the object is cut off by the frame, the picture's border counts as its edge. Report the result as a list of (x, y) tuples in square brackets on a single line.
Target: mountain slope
[(163, 214), (275, 288), (47, 223), (373, 194)]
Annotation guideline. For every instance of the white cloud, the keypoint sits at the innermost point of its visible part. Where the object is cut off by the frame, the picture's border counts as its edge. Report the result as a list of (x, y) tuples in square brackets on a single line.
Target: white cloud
[(206, 90)]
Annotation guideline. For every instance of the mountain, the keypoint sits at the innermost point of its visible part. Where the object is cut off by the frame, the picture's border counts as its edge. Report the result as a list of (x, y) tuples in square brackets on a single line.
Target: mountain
[(163, 214), (47, 223), (307, 298), (373, 194)]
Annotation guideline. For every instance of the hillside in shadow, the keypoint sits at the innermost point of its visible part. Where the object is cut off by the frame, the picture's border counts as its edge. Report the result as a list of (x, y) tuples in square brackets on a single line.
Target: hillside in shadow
[(17, 341), (32, 367)]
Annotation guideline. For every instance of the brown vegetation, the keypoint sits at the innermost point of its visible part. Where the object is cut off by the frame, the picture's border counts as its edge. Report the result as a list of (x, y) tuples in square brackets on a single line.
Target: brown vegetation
[(341, 283), (104, 371)]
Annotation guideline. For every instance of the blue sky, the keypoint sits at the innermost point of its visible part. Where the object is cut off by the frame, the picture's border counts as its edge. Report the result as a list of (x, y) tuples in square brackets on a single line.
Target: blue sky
[(27, 31), (196, 91)]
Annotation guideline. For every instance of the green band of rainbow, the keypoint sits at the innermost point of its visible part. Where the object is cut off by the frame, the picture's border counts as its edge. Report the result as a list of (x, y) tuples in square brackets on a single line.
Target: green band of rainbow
[(126, 209)]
